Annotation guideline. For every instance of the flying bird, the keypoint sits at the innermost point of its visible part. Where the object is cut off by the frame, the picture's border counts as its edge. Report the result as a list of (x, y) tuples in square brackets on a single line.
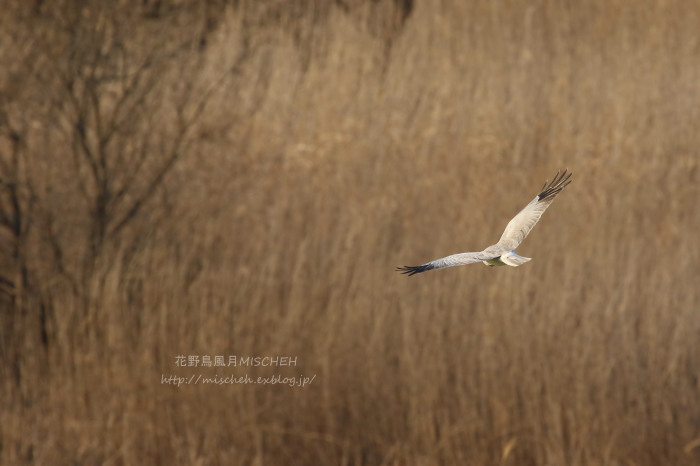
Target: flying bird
[(503, 252)]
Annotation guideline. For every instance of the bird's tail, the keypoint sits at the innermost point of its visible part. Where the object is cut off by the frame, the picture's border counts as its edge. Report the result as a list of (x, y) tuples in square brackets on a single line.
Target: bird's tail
[(514, 260)]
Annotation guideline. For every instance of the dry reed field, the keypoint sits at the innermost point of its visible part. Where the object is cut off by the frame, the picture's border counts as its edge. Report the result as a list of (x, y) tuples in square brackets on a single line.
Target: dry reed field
[(187, 185)]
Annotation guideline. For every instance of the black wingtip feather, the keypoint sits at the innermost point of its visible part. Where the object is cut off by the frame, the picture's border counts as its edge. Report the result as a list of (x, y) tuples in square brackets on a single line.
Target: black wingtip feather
[(561, 180), (412, 270)]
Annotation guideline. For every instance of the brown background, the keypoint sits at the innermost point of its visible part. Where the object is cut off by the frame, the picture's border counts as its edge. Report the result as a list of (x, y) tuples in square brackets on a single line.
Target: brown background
[(241, 178)]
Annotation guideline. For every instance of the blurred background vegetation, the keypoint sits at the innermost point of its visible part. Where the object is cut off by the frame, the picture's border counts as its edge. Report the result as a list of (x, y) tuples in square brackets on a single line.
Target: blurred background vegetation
[(241, 177)]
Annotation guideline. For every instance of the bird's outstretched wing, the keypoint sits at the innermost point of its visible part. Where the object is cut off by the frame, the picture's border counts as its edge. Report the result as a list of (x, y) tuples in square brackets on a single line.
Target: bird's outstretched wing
[(449, 261), (519, 227), (514, 234)]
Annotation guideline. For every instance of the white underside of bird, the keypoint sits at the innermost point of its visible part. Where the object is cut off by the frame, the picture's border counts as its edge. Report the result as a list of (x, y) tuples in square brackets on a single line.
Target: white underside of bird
[(503, 252)]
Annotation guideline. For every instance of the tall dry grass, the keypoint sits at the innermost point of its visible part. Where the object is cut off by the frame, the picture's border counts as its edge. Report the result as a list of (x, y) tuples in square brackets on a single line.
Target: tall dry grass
[(315, 146)]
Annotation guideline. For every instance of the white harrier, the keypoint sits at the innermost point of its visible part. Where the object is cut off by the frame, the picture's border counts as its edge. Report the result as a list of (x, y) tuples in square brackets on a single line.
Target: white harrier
[(503, 252)]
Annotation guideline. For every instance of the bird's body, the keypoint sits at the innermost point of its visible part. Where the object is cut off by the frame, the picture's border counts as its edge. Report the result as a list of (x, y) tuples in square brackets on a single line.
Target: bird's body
[(503, 252)]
